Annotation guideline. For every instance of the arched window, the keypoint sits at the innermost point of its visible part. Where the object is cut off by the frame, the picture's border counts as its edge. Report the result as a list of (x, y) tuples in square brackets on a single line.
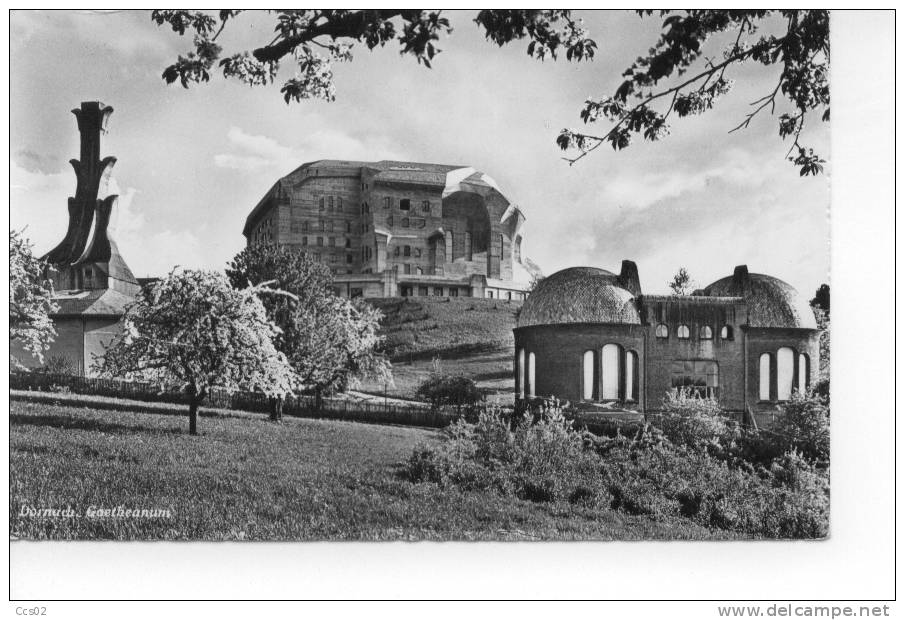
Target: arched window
[(785, 371), (682, 332), (631, 376), (726, 333), (531, 374), (764, 377), (804, 373), (609, 359), (520, 373), (587, 376), (339, 203), (706, 333), (518, 249), (662, 331)]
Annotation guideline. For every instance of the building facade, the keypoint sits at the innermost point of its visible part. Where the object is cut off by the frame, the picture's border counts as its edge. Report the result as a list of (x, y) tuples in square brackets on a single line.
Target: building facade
[(392, 228), (591, 337)]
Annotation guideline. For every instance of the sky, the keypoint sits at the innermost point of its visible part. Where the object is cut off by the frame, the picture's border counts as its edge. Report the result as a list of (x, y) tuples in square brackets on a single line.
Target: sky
[(192, 163)]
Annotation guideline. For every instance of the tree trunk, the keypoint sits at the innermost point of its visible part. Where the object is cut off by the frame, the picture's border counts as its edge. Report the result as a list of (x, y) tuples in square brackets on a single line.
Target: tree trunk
[(276, 409), (193, 417)]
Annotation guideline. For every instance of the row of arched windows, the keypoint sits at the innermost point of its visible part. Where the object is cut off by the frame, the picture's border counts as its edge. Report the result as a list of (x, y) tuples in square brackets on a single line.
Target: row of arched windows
[(611, 373), (783, 372), (683, 332)]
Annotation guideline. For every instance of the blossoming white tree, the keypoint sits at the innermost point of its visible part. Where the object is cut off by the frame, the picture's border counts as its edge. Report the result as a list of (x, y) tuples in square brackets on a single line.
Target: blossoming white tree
[(193, 331), (30, 300)]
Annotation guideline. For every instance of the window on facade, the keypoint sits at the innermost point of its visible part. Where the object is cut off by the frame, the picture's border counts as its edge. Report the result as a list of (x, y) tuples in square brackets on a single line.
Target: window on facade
[(520, 373), (389, 220), (304, 240), (339, 203), (532, 363), (785, 371), (453, 292), (438, 291), (396, 251), (804, 373), (316, 258), (331, 242), (631, 376), (407, 250), (517, 251), (320, 204), (405, 204), (417, 252), (727, 333), (320, 241), (405, 222), (683, 332), (386, 202), (348, 243), (419, 271), (662, 331), (426, 206), (348, 259), (587, 375), (706, 333), (330, 203), (467, 246), (609, 372), (348, 227), (356, 292), (407, 269), (763, 390), (700, 378)]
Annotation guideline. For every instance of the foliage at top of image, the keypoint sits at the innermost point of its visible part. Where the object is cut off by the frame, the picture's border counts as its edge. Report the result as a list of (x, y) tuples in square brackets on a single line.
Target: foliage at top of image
[(677, 75), (30, 300), (681, 283)]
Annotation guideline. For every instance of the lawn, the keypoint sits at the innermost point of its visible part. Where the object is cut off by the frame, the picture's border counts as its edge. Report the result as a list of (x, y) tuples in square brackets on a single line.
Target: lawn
[(469, 336), (247, 478)]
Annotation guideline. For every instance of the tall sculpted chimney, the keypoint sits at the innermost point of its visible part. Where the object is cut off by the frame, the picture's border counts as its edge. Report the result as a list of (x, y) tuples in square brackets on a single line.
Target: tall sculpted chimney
[(88, 257)]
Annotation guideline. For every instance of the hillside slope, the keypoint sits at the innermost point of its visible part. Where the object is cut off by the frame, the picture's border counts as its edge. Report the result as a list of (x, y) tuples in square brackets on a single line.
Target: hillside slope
[(469, 336)]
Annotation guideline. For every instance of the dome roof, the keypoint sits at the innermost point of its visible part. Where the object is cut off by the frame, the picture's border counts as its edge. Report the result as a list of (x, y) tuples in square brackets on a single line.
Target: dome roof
[(579, 295), (771, 302)]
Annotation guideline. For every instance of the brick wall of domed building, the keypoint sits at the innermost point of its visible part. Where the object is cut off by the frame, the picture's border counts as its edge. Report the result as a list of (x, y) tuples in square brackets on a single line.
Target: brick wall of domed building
[(591, 337)]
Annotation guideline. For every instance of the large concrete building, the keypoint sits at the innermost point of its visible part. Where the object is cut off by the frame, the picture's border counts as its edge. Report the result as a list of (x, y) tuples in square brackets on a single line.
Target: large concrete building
[(591, 337), (394, 228), (91, 281)]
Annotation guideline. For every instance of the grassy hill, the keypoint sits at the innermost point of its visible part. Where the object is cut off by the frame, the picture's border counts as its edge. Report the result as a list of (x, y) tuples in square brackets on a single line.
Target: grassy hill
[(469, 336)]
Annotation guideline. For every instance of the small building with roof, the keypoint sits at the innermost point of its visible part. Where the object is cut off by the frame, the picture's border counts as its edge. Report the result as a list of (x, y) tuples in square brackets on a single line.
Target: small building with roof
[(394, 228), (593, 338)]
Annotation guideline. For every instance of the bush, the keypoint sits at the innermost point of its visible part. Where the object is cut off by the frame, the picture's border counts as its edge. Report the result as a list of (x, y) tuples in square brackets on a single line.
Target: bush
[(804, 425), (688, 420), (542, 458), (454, 390)]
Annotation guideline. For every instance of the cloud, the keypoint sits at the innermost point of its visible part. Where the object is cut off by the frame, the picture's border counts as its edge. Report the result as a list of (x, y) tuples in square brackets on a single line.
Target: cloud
[(256, 153)]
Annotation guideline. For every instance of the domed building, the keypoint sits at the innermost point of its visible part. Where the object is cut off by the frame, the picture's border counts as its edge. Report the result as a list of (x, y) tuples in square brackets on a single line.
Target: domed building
[(591, 337)]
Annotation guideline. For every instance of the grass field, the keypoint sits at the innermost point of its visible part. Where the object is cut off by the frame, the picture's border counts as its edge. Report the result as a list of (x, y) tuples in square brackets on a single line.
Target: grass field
[(247, 478), (469, 336)]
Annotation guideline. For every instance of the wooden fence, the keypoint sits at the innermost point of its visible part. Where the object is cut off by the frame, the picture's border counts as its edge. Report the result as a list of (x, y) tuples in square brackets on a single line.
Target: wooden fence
[(297, 405)]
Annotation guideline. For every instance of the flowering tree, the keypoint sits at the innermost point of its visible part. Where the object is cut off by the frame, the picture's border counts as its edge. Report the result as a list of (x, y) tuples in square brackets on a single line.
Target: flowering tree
[(193, 331), (30, 300), (330, 342)]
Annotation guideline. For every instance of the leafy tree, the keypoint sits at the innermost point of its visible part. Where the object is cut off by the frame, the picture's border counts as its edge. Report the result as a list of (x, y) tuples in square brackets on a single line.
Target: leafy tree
[(192, 331), (822, 298), (30, 300), (330, 342), (683, 73), (681, 283)]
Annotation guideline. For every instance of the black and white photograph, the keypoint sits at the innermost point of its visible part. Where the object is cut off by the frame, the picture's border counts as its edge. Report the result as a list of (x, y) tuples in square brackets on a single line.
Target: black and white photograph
[(421, 276)]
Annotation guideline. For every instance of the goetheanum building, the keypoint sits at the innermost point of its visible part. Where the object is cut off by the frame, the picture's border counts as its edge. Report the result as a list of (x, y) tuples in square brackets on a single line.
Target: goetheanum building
[(591, 337), (394, 228)]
